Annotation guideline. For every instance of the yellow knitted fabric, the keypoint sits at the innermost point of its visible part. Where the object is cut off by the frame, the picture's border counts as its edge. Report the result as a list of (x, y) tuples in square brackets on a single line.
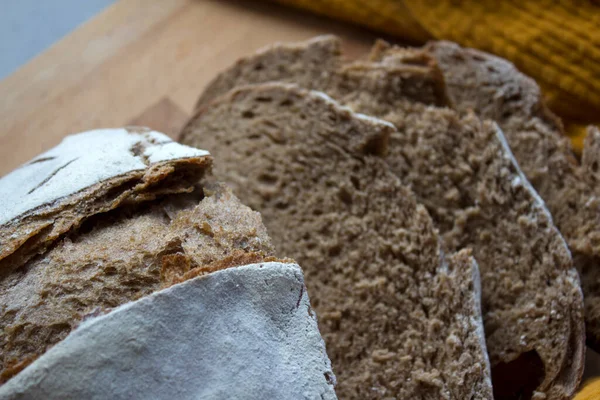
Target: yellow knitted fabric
[(591, 391), (555, 42)]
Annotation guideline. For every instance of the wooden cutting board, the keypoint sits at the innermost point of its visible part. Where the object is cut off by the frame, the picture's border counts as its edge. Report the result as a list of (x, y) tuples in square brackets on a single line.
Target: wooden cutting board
[(142, 62)]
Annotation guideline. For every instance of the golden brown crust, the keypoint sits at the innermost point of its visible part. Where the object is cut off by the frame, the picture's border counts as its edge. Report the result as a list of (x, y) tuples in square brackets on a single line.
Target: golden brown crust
[(118, 257), (236, 259), (16, 366), (33, 231)]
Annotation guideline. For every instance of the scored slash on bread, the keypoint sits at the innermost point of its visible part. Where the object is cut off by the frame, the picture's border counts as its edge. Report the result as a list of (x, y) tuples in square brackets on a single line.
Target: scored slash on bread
[(88, 174), (399, 317), (464, 173), (239, 333)]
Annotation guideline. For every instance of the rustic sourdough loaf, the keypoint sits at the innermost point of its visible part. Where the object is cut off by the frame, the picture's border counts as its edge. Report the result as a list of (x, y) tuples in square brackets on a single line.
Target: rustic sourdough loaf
[(495, 89), (59, 189), (464, 173), (133, 251), (400, 318), (240, 333), (115, 258)]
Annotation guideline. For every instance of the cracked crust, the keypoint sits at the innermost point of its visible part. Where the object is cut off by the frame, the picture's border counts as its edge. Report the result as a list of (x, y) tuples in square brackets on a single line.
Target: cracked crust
[(121, 256), (58, 190)]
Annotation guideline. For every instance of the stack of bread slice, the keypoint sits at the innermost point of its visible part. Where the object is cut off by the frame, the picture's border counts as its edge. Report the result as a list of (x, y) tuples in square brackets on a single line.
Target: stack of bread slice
[(405, 184), (399, 314), (284, 124)]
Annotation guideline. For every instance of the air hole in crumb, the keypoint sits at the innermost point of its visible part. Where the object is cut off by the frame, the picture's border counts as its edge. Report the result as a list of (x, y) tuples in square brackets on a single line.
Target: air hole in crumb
[(281, 205), (334, 251), (264, 99), (518, 379), (110, 270), (355, 182), (376, 146), (247, 114), (286, 103), (595, 166), (267, 179), (259, 67), (345, 195), (539, 302)]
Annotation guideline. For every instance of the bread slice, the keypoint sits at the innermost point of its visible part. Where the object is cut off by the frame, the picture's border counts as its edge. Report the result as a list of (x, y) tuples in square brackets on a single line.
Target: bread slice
[(590, 267), (59, 189), (315, 64), (495, 89), (400, 318), (280, 61), (463, 171), (240, 333)]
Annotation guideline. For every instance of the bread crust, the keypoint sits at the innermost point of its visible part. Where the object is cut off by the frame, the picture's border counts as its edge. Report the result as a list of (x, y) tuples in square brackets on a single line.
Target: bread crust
[(58, 190), (123, 220)]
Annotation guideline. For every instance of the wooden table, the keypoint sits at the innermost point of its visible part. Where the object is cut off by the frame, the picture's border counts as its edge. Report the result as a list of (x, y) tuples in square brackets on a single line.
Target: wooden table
[(141, 62)]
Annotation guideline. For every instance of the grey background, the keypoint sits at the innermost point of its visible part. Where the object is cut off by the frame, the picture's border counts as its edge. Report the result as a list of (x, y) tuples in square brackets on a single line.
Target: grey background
[(28, 27)]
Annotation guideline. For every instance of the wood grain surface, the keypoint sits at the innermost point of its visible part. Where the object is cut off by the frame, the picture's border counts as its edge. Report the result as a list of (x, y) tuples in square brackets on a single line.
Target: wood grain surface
[(144, 62)]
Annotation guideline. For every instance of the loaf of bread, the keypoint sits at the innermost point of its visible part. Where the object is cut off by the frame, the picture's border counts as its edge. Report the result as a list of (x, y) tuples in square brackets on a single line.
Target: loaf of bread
[(400, 318), (495, 89), (240, 333), (159, 343), (463, 171), (87, 175)]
